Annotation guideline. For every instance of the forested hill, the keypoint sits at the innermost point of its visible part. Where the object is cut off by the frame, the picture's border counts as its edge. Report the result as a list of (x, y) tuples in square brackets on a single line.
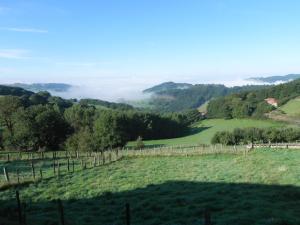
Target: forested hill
[(274, 79), (167, 86), (106, 104), (15, 91), (174, 100), (43, 97), (252, 103), (51, 87)]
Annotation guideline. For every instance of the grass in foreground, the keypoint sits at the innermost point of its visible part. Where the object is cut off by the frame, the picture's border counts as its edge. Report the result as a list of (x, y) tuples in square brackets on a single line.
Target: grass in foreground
[(205, 130), (261, 188)]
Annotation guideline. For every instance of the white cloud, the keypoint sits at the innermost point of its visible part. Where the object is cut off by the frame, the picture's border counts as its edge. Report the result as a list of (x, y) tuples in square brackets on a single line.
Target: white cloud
[(13, 53), (24, 29)]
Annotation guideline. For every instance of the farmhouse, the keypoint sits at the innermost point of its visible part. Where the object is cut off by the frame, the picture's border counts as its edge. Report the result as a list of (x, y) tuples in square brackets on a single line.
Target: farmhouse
[(272, 101)]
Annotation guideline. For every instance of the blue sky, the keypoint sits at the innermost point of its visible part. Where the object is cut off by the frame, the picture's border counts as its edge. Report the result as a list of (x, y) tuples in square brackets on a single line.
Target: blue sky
[(135, 44)]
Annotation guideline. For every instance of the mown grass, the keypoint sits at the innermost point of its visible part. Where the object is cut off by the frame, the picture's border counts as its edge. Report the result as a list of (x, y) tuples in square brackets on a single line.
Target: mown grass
[(205, 130), (260, 188), (292, 107)]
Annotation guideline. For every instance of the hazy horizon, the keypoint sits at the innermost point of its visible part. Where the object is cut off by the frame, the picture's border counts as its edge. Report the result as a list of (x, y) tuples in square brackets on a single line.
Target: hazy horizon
[(125, 89)]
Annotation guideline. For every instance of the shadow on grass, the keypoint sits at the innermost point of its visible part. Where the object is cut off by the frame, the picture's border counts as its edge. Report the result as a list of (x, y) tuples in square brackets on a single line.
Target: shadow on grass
[(172, 203), (196, 130)]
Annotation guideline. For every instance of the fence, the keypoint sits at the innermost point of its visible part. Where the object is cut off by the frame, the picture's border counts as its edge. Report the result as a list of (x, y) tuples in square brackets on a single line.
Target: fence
[(23, 167), (21, 213), (295, 145)]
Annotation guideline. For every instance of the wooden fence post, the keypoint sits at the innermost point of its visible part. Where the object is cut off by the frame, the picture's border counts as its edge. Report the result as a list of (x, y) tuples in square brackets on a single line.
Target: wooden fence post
[(109, 156), (127, 214), (73, 166), (207, 218), (19, 207), (6, 174), (54, 171), (68, 162), (41, 174), (95, 160), (58, 168), (18, 176), (24, 213), (98, 159), (8, 158), (61, 212), (32, 170), (103, 158)]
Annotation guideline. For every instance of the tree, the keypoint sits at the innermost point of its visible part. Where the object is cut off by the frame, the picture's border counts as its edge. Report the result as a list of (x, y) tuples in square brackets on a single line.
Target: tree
[(40, 98), (40, 127), (82, 141), (109, 129), (80, 116), (8, 106)]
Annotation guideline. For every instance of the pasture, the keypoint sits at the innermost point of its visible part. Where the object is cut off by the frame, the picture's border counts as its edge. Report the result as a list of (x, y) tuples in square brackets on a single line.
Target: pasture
[(261, 187), (203, 132), (289, 112), (292, 107)]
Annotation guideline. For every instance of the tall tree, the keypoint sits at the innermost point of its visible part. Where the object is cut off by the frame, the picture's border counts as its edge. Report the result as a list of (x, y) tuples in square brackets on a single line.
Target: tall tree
[(8, 106), (110, 129)]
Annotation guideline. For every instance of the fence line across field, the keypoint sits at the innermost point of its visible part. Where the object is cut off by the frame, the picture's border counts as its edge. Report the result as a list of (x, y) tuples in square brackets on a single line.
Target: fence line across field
[(17, 171), (32, 166), (22, 219)]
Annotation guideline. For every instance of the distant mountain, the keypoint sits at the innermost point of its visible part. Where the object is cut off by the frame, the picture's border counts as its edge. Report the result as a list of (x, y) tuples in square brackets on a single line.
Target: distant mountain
[(275, 79), (167, 86), (15, 91), (51, 87)]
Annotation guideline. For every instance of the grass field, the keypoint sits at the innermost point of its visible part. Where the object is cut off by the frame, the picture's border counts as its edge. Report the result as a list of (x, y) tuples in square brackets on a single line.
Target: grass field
[(205, 130), (292, 108), (238, 189), (203, 107), (289, 112)]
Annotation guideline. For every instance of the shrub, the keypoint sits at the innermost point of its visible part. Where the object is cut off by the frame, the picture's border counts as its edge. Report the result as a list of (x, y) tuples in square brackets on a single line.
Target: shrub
[(139, 143)]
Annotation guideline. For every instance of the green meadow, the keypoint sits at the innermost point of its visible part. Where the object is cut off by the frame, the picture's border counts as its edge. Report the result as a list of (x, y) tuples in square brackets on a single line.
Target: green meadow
[(259, 188), (203, 132), (292, 107)]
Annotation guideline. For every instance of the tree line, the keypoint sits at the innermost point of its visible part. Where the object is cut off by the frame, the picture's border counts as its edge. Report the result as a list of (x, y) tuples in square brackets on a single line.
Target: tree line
[(256, 135), (176, 100), (252, 103), (43, 122)]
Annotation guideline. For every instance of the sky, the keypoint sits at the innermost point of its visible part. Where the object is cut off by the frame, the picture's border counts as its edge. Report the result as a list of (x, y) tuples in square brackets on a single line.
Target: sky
[(115, 48)]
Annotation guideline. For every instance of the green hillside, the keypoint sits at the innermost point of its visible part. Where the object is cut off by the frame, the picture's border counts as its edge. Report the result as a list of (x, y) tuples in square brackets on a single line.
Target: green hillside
[(203, 108), (191, 97), (252, 103), (204, 131), (292, 108), (289, 112)]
